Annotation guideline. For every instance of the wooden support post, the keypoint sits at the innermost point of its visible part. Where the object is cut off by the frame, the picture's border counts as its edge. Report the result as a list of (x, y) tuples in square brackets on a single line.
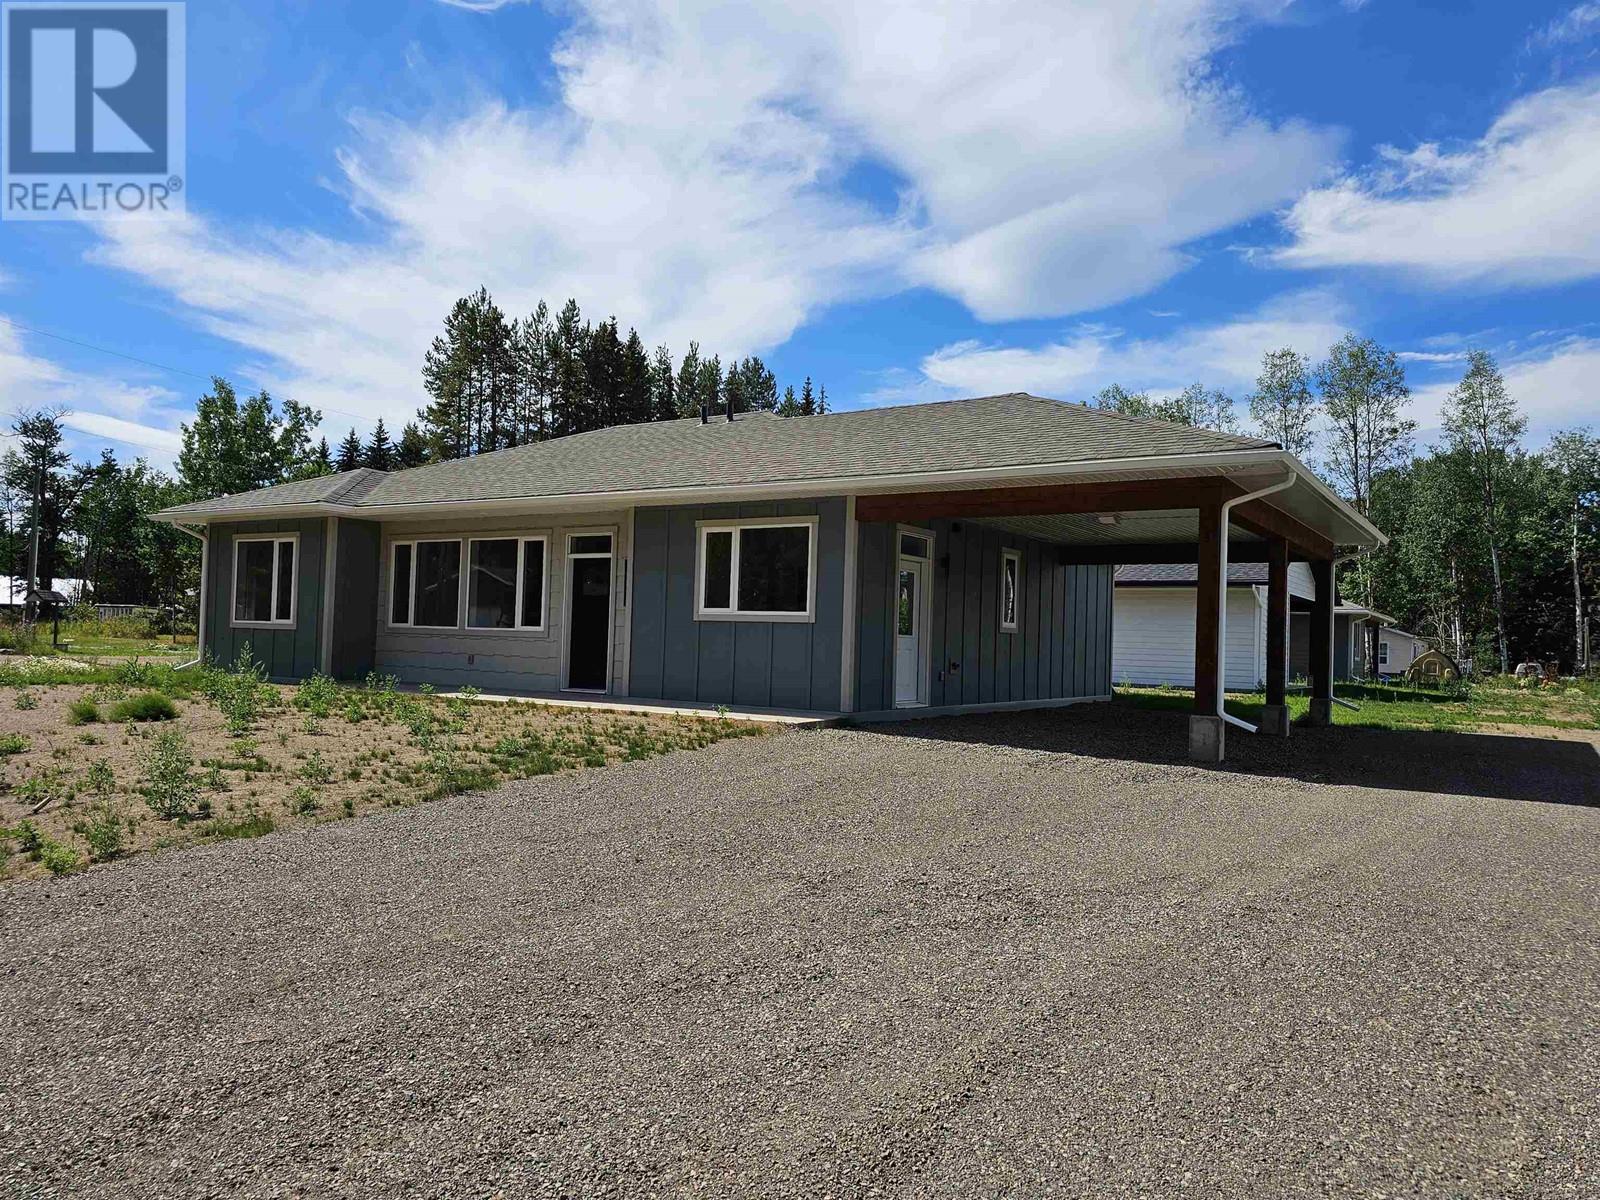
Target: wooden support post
[(1206, 726), (1321, 644), (1275, 716)]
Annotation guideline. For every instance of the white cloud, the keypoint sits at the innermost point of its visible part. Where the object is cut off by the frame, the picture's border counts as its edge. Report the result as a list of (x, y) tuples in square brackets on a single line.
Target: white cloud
[(1575, 25), (1225, 354), (136, 417), (694, 177), (1553, 384), (1514, 208), (481, 5)]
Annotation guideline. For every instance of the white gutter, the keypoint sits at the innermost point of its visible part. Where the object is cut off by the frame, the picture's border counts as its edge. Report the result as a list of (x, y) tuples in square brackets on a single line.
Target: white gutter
[(205, 569), (1222, 596)]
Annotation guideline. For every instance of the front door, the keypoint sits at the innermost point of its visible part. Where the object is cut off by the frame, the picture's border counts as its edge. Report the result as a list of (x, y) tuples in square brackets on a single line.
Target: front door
[(908, 633), (589, 616)]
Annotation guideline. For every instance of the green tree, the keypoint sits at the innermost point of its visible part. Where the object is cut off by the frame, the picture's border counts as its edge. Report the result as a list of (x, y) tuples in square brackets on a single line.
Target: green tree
[(1483, 426), (350, 453), (663, 386), (1283, 404), (1116, 398), (380, 451), (469, 372), (689, 399), (1199, 407), (1574, 487), (237, 447), (789, 406), (35, 469), (530, 352), (412, 450), (1363, 387), (808, 399), (570, 394)]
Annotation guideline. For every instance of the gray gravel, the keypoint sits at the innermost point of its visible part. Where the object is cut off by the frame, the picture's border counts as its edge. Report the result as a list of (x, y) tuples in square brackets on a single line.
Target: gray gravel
[(1012, 955)]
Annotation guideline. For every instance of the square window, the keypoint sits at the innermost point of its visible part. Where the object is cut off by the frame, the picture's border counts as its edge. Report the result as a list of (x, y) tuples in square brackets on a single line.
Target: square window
[(264, 580)]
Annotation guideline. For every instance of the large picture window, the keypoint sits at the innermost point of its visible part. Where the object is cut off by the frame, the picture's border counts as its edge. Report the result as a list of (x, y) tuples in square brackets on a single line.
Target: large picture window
[(763, 570), (264, 580), (1010, 586), (506, 583)]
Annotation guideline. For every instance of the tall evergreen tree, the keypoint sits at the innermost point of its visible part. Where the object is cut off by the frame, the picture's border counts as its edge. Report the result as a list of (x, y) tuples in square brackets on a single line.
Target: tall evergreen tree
[(602, 369), (350, 452), (1283, 403), (569, 388), (1483, 425), (663, 386), (321, 461), (635, 401), (822, 400), (530, 350), (789, 406), (34, 470), (469, 373), (689, 398), (412, 450), (380, 451), (710, 383), (808, 399)]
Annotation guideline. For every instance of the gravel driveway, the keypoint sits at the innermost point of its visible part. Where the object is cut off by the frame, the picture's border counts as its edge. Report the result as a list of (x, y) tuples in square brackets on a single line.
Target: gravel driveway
[(1012, 955)]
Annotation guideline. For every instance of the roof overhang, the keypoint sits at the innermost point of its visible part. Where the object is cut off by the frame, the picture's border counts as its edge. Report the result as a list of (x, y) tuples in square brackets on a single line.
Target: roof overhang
[(1310, 500)]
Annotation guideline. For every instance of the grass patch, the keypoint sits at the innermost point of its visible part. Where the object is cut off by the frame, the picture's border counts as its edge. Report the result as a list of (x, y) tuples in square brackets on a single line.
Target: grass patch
[(12, 743), (83, 711), (146, 706)]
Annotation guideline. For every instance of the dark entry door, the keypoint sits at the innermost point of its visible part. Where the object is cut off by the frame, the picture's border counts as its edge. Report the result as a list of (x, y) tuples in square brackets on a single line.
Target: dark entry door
[(589, 624)]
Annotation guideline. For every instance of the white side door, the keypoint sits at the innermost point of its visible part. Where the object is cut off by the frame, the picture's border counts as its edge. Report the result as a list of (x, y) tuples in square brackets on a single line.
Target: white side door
[(909, 632)]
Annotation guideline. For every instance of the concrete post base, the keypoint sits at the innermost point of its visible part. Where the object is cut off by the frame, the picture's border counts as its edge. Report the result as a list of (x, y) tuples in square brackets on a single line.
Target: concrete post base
[(1275, 720), (1321, 712), (1206, 740)]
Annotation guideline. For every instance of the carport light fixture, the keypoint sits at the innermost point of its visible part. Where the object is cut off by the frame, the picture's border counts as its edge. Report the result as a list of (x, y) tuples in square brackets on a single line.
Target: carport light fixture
[(1222, 594)]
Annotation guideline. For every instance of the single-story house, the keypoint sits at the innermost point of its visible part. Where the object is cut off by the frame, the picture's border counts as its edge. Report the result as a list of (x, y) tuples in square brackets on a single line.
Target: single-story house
[(939, 557), (1153, 622)]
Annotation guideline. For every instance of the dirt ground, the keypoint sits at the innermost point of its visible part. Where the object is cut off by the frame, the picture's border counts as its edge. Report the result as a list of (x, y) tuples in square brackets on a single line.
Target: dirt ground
[(291, 769)]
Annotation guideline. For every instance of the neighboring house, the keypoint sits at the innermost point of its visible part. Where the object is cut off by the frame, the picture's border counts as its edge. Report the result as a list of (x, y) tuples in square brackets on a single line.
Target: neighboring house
[(14, 590), (1397, 650), (1152, 636), (946, 557)]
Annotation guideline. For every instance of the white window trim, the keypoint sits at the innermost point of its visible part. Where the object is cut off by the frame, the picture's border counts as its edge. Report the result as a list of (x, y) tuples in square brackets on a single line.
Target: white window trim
[(703, 528), (1008, 555), (411, 609), (1383, 654), (522, 540), (277, 562)]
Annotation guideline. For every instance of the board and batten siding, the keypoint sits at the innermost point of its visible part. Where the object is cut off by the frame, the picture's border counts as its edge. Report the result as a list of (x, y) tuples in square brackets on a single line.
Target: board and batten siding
[(503, 660), (760, 664), (1061, 649), (1153, 637), (286, 652)]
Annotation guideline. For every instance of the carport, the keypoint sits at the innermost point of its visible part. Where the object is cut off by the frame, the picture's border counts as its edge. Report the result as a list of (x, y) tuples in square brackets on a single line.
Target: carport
[(1270, 509)]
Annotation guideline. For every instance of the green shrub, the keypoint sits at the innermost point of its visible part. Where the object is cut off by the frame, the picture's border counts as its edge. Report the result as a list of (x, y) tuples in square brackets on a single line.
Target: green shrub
[(28, 838), (136, 674), (104, 831), (146, 706), (168, 784), (254, 823), (12, 743), (26, 700), (17, 637), (47, 787), (59, 859), (315, 770), (317, 696), (239, 692), (303, 800), (83, 712)]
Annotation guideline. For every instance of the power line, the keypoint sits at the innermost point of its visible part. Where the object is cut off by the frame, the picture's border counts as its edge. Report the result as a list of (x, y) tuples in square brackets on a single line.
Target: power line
[(60, 337)]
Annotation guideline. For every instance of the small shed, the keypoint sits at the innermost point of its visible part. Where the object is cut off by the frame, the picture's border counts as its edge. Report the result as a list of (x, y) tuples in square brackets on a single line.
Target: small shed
[(1432, 666)]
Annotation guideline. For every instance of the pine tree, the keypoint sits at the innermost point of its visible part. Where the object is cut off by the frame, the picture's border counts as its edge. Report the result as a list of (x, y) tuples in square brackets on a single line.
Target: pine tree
[(1283, 404), (689, 399), (350, 452), (663, 387), (636, 402), (822, 400), (602, 367), (1483, 425), (380, 454), (530, 352), (412, 450), (789, 406), (569, 390), (469, 371), (808, 401), (710, 384), (321, 460)]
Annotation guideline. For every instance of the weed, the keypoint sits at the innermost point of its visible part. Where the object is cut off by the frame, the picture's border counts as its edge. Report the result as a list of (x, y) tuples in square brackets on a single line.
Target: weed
[(137, 674), (238, 692), (215, 780), (12, 743), (254, 823), (302, 800), (168, 783), (90, 739), (25, 699), (83, 711), (146, 706), (315, 770), (45, 788), (317, 695), (99, 779), (349, 807), (104, 831), (28, 838), (59, 859)]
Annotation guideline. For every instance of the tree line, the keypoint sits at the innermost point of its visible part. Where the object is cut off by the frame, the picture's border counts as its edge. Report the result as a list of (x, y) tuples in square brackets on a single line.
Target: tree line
[(1494, 549)]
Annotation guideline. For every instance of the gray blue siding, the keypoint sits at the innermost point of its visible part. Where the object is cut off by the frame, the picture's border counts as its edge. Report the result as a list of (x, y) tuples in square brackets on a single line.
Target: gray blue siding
[(755, 663), (290, 653), (1062, 646)]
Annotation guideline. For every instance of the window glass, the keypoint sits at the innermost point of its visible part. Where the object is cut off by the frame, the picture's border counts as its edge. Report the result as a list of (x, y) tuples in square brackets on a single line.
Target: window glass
[(1008, 591), (719, 569), (907, 605), (252, 581), (400, 598), (285, 600), (532, 584), (492, 584), (913, 546), (590, 543), (437, 594), (773, 566)]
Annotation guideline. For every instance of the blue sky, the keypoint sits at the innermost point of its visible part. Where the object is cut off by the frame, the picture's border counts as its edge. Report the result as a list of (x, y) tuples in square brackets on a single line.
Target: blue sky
[(906, 204)]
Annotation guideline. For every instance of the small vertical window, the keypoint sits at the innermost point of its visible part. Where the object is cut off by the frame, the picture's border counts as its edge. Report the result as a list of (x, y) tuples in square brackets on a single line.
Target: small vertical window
[(718, 593), (1010, 583), (492, 583), (283, 606), (532, 603), (400, 586), (436, 596)]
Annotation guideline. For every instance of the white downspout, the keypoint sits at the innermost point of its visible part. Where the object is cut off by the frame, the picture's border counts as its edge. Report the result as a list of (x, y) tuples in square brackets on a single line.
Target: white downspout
[(1222, 596), (205, 571)]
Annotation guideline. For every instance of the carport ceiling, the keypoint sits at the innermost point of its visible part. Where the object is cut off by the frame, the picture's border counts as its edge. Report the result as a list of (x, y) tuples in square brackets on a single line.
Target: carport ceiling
[(1086, 529)]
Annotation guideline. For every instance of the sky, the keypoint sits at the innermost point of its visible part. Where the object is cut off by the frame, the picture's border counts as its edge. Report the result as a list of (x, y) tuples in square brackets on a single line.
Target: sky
[(904, 202)]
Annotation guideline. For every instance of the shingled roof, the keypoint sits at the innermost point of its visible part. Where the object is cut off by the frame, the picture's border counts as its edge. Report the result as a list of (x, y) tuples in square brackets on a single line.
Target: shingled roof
[(1011, 430)]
